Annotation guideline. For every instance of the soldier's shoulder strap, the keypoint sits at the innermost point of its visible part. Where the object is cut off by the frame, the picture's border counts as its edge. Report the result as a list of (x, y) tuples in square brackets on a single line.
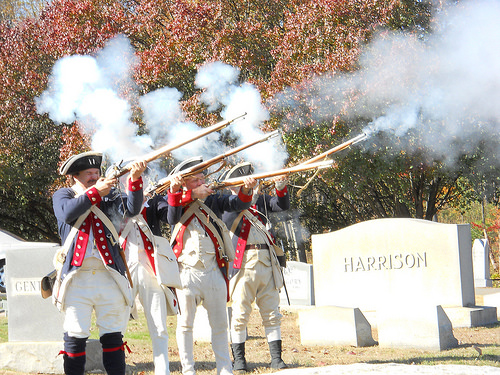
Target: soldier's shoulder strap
[(237, 221), (60, 256), (185, 216)]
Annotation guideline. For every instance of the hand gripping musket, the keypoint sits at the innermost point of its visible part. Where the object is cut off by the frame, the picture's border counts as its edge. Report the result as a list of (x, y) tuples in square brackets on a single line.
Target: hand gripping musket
[(170, 147), (233, 182), (165, 184)]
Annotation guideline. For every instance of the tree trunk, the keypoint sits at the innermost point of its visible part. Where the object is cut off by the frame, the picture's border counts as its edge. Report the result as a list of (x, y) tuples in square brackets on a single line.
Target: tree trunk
[(301, 248), (432, 198), (301, 252), (417, 189)]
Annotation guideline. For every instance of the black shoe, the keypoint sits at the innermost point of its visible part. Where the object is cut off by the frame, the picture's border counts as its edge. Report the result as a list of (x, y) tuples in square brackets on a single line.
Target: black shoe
[(275, 350), (240, 363)]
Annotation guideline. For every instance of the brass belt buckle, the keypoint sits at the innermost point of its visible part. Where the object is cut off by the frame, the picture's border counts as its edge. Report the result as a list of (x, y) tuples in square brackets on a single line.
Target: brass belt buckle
[(61, 258)]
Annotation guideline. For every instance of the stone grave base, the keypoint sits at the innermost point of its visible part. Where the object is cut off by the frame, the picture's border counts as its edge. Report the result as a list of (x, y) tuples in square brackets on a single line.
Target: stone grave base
[(42, 357), (489, 297), (460, 317), (468, 317), (416, 326), (333, 325)]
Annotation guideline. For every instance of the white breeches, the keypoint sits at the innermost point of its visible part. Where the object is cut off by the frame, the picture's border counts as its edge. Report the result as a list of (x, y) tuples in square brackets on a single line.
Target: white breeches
[(255, 284), (93, 288), (209, 288), (154, 302)]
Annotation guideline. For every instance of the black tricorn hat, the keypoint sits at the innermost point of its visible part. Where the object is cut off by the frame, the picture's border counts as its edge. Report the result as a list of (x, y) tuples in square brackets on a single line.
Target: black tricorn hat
[(80, 162), (239, 170), (188, 163)]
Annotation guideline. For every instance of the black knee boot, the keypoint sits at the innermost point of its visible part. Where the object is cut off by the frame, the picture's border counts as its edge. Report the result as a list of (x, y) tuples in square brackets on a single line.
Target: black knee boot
[(240, 363), (74, 355), (275, 350), (113, 353)]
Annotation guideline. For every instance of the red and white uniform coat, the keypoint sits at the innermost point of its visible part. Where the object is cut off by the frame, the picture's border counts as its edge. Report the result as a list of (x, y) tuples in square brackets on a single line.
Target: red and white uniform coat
[(197, 248), (255, 270), (141, 249), (93, 256)]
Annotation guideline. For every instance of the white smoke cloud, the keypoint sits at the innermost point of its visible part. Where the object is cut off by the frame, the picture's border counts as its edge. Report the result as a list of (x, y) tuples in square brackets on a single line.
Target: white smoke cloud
[(87, 89), (161, 110), (447, 86), (221, 90), (218, 80), (168, 126)]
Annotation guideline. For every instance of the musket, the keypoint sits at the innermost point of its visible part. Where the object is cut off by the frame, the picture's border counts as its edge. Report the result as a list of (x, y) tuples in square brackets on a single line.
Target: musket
[(165, 183), (120, 171), (233, 182), (324, 155), (338, 148)]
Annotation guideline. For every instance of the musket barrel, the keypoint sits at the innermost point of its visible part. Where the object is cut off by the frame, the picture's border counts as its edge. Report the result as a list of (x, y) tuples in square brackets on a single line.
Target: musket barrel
[(267, 137), (217, 159), (333, 150), (168, 148), (171, 147), (338, 148), (232, 182)]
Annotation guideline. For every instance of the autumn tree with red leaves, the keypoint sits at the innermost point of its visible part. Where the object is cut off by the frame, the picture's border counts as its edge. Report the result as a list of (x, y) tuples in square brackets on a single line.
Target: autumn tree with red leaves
[(277, 45), (31, 144)]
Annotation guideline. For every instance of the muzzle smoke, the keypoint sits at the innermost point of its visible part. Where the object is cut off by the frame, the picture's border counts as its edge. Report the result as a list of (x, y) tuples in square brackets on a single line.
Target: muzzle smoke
[(446, 86), (90, 90)]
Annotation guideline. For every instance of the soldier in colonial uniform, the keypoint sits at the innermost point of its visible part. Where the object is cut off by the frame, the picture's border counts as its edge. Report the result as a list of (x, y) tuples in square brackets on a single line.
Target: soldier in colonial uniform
[(255, 272), (148, 256), (91, 273), (203, 248)]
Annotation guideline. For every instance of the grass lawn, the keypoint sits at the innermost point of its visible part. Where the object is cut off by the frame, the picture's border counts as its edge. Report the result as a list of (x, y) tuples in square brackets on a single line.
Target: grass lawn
[(477, 346)]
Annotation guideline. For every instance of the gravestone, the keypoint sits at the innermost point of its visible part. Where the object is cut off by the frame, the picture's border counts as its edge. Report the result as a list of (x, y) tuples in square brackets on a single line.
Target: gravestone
[(34, 324), (299, 284), (331, 325), (25, 269), (486, 295), (481, 263), (373, 263)]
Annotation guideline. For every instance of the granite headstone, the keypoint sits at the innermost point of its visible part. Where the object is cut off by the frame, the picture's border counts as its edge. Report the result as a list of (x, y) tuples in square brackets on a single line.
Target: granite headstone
[(299, 284)]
